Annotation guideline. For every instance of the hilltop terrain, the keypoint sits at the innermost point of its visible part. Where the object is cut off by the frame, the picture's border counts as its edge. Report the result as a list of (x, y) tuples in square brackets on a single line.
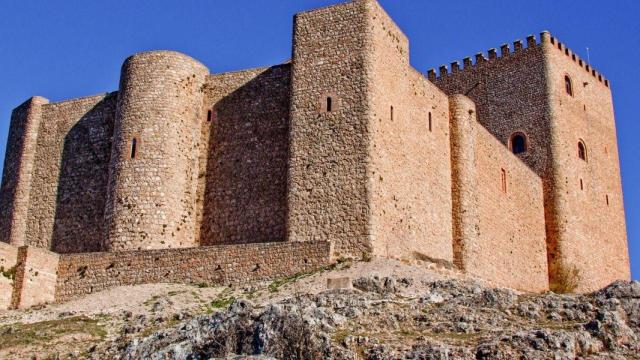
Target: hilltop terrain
[(386, 310)]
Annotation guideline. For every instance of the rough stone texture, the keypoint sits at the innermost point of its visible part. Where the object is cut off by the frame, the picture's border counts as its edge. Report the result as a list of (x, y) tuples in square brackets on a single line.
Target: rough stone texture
[(152, 193), (381, 322), (583, 220), (410, 176), (346, 144), (328, 195), (36, 276), (81, 274), (8, 261), (242, 190), (18, 169), (524, 91), (502, 237)]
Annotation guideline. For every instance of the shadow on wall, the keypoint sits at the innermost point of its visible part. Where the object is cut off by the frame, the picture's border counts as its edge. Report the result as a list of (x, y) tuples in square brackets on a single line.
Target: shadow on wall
[(245, 191), (82, 184)]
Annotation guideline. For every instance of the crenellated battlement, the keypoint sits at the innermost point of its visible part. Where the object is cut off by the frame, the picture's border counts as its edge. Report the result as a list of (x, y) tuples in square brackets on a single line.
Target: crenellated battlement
[(492, 55)]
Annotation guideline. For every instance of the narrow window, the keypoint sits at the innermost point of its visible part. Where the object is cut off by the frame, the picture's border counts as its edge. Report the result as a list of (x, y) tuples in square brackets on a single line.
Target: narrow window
[(567, 85), (518, 143), (329, 104), (504, 180), (134, 148), (607, 198), (209, 114), (582, 150), (581, 185), (430, 122), (392, 113)]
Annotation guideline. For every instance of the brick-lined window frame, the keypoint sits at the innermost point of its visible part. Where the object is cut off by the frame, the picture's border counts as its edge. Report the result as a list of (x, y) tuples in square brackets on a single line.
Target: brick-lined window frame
[(328, 103)]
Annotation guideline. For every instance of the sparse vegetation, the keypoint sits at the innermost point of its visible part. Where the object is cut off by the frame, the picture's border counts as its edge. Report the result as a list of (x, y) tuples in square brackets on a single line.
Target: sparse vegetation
[(566, 280), (9, 273), (47, 331), (223, 302)]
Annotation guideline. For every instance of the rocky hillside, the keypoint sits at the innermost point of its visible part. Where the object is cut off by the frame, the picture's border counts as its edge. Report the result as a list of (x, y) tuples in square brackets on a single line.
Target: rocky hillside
[(395, 311)]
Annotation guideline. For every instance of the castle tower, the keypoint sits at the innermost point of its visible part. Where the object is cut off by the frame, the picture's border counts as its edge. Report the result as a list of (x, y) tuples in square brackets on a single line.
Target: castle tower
[(370, 166), (18, 169), (552, 109), (153, 171), (586, 231)]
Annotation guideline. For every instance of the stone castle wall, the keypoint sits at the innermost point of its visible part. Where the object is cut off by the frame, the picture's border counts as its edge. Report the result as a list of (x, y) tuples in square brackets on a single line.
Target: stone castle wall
[(328, 195), (499, 231), (242, 190), (18, 169), (588, 205), (347, 144), (8, 261), (42, 276), (154, 159), (522, 90), (410, 176), (67, 155)]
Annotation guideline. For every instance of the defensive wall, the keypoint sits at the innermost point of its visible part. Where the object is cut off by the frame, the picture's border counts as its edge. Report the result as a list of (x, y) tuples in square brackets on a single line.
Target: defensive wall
[(42, 276), (523, 91), (182, 174)]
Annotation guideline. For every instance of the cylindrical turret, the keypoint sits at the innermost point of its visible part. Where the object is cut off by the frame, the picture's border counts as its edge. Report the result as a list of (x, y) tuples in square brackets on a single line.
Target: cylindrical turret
[(462, 111), (153, 171)]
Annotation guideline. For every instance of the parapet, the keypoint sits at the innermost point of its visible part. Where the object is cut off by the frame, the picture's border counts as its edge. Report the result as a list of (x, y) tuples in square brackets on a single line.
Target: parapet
[(506, 51)]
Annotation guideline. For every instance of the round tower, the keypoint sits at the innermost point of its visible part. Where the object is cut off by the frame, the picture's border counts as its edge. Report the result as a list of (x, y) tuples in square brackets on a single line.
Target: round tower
[(153, 170)]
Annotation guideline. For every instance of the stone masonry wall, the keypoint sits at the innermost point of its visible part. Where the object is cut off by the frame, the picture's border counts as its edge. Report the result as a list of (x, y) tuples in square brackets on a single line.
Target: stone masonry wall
[(410, 153), (36, 276), (242, 190), (329, 158), (589, 232), (8, 261), (154, 160), (512, 242), (68, 185), (18, 170), (81, 274), (499, 232)]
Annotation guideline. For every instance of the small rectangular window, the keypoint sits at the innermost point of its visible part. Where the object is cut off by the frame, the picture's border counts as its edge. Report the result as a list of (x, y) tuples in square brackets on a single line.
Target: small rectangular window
[(134, 148), (430, 123), (209, 115), (581, 184), (392, 113), (329, 104), (504, 180), (607, 198)]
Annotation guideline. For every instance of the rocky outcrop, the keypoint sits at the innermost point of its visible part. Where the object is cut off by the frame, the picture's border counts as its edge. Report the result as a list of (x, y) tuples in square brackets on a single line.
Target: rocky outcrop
[(452, 319)]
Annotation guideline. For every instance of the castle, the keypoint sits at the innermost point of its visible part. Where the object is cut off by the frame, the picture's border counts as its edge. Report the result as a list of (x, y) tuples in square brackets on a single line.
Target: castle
[(505, 167)]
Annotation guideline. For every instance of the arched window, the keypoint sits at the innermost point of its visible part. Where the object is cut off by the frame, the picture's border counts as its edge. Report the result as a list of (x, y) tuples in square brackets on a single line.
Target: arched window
[(518, 143), (329, 104), (567, 85), (134, 148), (582, 150)]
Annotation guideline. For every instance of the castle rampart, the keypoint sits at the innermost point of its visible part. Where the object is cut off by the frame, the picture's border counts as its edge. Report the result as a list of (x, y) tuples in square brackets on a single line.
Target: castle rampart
[(506, 168), (18, 169), (153, 170)]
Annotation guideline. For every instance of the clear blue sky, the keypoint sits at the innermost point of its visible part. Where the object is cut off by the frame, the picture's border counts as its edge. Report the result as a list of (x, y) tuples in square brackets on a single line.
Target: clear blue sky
[(66, 49)]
